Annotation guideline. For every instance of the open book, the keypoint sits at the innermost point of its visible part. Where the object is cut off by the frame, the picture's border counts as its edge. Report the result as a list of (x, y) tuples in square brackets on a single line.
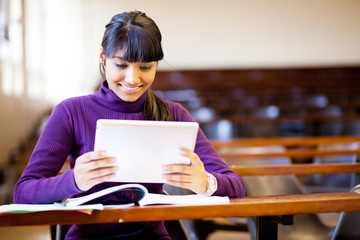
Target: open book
[(140, 197)]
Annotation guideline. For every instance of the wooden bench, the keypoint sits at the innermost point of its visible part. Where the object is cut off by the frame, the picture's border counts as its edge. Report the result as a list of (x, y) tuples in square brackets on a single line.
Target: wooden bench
[(286, 141), (295, 147), (296, 169), (292, 169)]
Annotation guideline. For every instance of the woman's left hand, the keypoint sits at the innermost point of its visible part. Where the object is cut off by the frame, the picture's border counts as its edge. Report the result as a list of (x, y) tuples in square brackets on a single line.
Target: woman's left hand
[(191, 176)]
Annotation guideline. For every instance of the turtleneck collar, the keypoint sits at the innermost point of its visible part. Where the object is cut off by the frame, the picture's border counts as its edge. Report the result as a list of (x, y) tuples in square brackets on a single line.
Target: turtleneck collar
[(107, 98)]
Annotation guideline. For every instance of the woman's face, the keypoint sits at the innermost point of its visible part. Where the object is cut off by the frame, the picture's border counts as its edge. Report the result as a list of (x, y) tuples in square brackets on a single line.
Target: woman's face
[(128, 80)]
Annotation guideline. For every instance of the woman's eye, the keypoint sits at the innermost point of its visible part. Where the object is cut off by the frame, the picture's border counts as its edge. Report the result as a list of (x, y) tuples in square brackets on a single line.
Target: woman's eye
[(120, 65), (145, 68)]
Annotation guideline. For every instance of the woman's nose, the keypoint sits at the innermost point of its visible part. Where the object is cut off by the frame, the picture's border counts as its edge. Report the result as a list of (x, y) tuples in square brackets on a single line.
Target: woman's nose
[(132, 76)]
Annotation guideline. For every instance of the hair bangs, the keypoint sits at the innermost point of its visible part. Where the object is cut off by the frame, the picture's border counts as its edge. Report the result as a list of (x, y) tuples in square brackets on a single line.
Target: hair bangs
[(141, 47), (136, 46)]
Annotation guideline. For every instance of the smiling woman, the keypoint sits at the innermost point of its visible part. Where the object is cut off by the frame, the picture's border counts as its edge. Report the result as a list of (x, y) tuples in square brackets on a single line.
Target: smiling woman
[(130, 51)]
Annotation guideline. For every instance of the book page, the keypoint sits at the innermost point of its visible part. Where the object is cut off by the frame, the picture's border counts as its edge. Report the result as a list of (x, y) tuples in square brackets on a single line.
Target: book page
[(181, 200), (125, 187), (18, 208), (185, 200)]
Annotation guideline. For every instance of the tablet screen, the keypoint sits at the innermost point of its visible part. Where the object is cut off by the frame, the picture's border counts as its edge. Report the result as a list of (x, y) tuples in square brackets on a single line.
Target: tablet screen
[(141, 148)]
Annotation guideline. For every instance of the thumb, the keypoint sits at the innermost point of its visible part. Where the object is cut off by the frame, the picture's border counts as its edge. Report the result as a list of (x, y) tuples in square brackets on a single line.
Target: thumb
[(194, 158)]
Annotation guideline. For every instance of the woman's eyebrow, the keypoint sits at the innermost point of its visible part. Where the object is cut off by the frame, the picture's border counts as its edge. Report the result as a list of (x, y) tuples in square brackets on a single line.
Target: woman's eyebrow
[(121, 58)]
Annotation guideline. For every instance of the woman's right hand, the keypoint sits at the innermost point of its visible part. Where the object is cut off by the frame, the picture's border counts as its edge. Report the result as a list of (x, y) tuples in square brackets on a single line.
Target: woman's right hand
[(93, 168)]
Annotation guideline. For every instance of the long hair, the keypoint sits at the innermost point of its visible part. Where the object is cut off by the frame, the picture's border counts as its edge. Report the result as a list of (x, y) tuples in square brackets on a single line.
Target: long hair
[(139, 38)]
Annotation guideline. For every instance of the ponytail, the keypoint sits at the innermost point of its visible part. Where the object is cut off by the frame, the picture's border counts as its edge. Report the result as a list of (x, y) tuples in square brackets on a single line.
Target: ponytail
[(155, 109)]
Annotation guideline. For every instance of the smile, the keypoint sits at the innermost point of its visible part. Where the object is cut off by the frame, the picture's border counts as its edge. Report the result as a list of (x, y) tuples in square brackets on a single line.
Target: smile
[(130, 88)]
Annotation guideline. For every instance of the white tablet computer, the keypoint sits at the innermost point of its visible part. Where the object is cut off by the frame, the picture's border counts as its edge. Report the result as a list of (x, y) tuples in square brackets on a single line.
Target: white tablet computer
[(143, 147)]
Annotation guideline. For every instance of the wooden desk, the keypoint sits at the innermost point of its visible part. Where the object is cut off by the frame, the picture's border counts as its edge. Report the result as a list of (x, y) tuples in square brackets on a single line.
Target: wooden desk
[(296, 147), (295, 153), (299, 147), (296, 169), (262, 207), (285, 141)]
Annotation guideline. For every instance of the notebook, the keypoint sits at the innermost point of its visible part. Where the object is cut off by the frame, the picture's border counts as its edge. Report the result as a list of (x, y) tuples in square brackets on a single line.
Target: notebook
[(143, 147)]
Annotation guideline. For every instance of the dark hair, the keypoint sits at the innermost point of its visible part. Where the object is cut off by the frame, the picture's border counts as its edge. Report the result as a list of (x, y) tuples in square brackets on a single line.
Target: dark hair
[(139, 38)]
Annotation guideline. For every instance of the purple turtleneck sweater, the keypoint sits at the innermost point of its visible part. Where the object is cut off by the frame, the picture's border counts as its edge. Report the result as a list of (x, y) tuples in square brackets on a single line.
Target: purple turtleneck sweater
[(70, 132)]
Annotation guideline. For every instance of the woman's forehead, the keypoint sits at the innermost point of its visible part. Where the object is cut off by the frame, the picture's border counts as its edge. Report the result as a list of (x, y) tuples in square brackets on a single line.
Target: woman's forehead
[(119, 54)]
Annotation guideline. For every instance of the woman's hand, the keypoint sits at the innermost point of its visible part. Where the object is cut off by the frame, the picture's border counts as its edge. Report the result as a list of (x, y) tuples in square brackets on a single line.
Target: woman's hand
[(93, 168), (191, 176)]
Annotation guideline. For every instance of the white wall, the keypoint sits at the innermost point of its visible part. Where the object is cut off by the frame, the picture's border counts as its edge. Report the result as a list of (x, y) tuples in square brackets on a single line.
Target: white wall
[(243, 33), (202, 34)]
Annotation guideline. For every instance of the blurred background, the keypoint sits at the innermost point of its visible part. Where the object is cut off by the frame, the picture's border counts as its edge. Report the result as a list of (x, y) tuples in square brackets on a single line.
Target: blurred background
[(232, 63), (49, 49)]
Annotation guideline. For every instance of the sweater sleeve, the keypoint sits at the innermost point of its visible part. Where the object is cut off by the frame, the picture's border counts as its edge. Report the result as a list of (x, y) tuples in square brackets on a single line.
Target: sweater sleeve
[(229, 183), (40, 182)]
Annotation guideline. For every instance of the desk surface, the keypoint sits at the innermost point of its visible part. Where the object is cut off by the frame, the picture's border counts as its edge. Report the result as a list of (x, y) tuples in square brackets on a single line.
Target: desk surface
[(249, 206)]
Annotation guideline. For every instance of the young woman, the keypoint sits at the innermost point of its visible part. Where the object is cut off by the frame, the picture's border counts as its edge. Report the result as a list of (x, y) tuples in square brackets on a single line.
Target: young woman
[(130, 51)]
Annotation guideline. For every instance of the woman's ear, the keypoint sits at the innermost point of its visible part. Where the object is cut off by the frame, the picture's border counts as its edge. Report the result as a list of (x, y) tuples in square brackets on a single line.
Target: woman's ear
[(102, 57)]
